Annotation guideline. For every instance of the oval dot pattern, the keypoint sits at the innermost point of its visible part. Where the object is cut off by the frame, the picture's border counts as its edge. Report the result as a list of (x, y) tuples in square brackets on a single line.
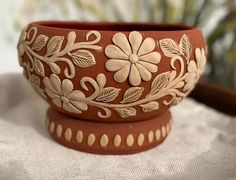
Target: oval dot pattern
[(104, 140), (117, 140), (59, 130), (150, 136), (79, 136), (91, 139), (52, 127), (139, 139), (130, 140), (68, 134), (163, 131)]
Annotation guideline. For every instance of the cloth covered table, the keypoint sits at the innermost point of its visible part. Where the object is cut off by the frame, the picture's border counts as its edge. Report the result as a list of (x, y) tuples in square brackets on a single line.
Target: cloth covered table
[(201, 145)]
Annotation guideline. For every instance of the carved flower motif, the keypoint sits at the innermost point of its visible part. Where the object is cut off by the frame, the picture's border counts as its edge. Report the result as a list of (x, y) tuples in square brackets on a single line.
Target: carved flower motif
[(20, 46), (195, 69), (132, 58), (35, 80), (63, 95)]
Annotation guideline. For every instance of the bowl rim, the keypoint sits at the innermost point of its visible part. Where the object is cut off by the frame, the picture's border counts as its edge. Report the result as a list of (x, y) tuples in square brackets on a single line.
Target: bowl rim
[(114, 26)]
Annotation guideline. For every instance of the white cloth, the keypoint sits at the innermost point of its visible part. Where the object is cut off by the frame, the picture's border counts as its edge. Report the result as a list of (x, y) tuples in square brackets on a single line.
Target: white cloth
[(201, 145)]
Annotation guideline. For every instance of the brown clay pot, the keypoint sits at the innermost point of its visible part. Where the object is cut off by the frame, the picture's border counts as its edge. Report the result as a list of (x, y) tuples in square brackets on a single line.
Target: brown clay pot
[(112, 74)]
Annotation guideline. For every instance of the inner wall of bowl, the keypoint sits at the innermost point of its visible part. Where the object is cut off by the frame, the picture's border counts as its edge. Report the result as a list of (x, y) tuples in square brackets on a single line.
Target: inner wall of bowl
[(115, 26)]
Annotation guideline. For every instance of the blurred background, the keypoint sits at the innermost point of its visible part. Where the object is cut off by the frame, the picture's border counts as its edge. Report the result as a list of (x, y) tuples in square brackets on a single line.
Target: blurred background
[(217, 19)]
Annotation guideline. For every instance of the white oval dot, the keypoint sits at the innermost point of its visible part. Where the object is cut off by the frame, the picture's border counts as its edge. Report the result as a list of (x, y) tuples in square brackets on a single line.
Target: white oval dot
[(130, 140), (59, 130), (68, 134), (163, 131), (91, 139), (140, 139), (104, 140), (158, 134), (79, 136), (52, 127), (117, 140), (150, 136)]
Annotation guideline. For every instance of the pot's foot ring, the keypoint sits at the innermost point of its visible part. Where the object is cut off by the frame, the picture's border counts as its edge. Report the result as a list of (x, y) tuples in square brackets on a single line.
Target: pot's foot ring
[(108, 138)]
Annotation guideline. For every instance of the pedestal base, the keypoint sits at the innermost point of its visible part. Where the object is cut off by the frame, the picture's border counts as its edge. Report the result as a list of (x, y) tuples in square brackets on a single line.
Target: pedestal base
[(108, 138)]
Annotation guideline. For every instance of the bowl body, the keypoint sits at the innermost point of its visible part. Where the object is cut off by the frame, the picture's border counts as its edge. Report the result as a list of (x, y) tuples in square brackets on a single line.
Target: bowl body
[(111, 72)]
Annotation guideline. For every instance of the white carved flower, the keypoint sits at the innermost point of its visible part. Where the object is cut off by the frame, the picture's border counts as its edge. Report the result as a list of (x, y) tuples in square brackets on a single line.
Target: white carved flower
[(132, 58), (63, 95), (20, 46), (195, 69), (34, 80)]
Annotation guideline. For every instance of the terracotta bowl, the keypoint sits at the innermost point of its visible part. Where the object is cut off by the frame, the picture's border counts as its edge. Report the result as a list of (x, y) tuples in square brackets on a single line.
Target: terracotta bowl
[(109, 74)]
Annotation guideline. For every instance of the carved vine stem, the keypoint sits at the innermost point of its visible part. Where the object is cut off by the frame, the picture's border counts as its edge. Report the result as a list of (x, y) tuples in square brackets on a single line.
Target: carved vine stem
[(168, 90), (29, 75), (70, 46)]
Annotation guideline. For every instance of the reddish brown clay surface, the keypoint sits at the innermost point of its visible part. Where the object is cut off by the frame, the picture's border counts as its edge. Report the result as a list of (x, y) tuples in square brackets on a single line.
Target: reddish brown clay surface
[(110, 85), (57, 56), (108, 138)]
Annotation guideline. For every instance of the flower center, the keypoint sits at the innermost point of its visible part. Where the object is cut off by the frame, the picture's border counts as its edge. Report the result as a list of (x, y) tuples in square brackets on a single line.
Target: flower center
[(65, 100), (133, 58)]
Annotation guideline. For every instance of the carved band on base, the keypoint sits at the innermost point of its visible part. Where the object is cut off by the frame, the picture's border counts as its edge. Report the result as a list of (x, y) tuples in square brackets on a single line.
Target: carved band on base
[(108, 138)]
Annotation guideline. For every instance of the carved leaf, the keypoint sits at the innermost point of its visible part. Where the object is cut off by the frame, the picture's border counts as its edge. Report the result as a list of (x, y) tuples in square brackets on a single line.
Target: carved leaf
[(38, 66), (169, 47), (108, 94), (151, 106), (54, 68), (40, 42), (185, 47), (54, 45), (126, 112), (132, 94), (101, 79), (83, 58), (180, 84), (159, 82)]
